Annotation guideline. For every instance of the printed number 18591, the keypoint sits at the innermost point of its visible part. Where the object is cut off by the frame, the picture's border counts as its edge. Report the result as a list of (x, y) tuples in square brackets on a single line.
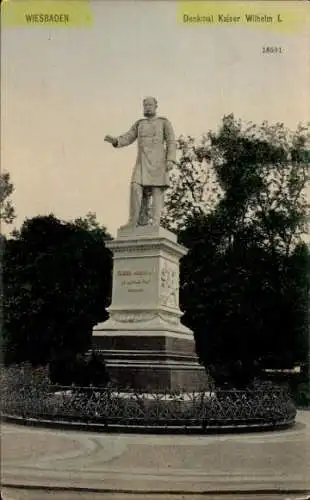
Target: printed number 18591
[(272, 50)]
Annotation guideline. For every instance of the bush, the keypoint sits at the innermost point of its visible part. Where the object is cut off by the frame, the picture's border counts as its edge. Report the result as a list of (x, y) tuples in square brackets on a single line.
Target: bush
[(234, 374), (80, 370), (23, 388), (297, 383), (301, 395)]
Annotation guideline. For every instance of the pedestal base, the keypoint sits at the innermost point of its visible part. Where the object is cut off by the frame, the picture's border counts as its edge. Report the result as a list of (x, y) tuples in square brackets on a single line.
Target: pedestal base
[(144, 343), (159, 379), (151, 360)]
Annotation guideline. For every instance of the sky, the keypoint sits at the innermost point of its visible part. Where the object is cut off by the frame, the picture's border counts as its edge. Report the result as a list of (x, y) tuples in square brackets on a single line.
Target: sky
[(64, 89)]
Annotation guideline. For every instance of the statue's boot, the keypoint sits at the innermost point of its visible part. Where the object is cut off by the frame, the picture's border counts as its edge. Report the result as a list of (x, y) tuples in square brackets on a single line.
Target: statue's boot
[(144, 218), (136, 192)]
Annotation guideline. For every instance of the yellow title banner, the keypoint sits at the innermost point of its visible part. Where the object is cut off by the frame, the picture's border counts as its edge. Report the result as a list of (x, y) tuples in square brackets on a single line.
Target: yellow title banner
[(279, 16), (48, 13)]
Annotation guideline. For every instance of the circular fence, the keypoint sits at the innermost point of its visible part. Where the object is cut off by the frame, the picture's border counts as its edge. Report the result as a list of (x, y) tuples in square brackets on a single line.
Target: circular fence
[(108, 409)]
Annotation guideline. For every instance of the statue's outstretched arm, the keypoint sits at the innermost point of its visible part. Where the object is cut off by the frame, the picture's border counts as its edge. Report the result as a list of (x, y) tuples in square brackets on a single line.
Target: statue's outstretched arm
[(128, 138)]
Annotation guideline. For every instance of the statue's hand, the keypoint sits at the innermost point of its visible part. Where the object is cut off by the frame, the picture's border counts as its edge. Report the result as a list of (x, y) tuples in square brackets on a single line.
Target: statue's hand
[(111, 140)]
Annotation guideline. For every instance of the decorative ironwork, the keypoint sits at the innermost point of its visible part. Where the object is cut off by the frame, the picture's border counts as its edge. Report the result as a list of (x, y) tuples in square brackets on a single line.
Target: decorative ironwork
[(109, 407)]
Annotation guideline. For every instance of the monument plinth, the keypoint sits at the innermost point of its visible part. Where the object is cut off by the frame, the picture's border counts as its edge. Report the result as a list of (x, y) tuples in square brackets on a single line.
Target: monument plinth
[(144, 343)]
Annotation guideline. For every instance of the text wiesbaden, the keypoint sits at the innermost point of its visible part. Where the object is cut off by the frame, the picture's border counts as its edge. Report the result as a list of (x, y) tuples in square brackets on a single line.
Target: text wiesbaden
[(47, 18)]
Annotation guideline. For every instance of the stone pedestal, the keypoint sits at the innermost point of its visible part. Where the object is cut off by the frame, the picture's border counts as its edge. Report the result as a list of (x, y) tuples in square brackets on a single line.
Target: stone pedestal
[(144, 342)]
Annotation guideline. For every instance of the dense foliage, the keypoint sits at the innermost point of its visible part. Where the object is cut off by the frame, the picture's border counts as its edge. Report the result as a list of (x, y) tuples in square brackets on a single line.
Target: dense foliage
[(57, 284), (237, 200), (7, 211)]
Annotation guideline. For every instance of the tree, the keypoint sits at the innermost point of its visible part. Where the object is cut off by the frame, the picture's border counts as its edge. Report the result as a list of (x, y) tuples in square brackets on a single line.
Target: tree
[(264, 172), (90, 223), (241, 283), (7, 212), (57, 284), (7, 215), (247, 309), (255, 176), (193, 188)]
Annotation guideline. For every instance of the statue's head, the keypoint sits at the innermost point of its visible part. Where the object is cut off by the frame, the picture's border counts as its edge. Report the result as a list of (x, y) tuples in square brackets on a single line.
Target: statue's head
[(149, 106)]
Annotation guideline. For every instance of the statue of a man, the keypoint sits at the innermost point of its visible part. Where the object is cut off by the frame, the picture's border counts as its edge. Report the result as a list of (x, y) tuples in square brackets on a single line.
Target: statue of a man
[(156, 155)]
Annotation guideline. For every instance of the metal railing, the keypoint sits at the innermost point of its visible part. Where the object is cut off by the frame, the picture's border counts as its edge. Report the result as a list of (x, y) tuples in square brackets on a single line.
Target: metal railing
[(110, 407)]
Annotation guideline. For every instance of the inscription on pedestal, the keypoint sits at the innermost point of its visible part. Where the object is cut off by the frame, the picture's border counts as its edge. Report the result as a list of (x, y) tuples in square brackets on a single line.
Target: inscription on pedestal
[(133, 317), (134, 281)]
